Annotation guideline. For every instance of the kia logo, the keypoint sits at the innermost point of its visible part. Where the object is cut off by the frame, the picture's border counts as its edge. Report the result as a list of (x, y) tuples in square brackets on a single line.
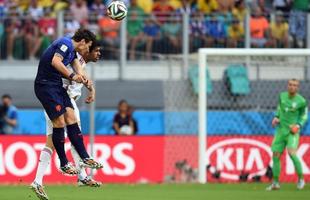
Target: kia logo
[(231, 156)]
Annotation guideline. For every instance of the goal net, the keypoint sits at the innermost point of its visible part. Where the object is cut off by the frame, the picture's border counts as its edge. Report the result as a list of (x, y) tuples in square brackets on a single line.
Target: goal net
[(237, 95)]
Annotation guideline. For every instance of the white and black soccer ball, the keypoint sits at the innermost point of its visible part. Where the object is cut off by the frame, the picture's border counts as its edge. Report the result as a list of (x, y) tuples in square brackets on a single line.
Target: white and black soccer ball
[(117, 10)]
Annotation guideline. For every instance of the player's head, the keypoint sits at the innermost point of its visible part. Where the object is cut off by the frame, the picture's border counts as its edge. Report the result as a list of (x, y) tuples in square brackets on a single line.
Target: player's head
[(293, 86), (6, 100), (94, 53), (83, 39)]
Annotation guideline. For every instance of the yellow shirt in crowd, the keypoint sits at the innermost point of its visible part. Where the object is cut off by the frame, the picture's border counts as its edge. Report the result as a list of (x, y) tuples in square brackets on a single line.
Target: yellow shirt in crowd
[(209, 7), (236, 33), (279, 31)]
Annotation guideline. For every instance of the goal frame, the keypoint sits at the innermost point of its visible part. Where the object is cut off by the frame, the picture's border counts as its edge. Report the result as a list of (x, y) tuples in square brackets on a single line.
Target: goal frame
[(203, 54)]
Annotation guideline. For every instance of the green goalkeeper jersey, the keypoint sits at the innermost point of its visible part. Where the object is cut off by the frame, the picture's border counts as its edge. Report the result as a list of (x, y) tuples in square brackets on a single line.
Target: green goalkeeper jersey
[(291, 110)]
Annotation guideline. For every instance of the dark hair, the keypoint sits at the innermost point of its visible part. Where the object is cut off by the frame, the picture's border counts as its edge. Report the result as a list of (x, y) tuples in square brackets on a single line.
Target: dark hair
[(94, 45), (121, 102), (85, 34), (6, 96)]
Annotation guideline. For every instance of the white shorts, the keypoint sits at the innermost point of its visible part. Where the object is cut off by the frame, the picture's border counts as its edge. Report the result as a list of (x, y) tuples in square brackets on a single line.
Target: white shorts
[(49, 125)]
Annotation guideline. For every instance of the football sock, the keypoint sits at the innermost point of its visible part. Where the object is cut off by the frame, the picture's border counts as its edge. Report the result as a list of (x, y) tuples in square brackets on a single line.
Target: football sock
[(59, 144), (82, 172), (76, 138), (45, 158), (297, 165), (276, 168)]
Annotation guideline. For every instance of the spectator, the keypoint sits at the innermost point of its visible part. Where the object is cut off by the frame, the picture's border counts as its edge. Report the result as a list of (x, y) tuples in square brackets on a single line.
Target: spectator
[(109, 34), (279, 33), (235, 34), (98, 8), (58, 5), (79, 11), (207, 6), (32, 37), (146, 5), (297, 22), (11, 32), (239, 10), (162, 10), (123, 123), (281, 5), (172, 35), (259, 27), (48, 25), (151, 32), (226, 4), (71, 25), (8, 115), (263, 5), (216, 32), (34, 10), (134, 27), (198, 31)]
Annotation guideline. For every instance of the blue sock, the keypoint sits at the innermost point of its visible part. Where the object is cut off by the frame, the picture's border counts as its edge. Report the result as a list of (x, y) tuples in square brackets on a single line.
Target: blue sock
[(76, 138), (58, 138)]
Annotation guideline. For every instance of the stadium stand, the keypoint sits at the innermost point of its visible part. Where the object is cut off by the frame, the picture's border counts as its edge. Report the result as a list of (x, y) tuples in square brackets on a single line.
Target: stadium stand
[(142, 94)]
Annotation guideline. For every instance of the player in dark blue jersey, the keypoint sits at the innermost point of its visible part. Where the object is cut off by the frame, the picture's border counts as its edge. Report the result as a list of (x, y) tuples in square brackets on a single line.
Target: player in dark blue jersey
[(54, 98)]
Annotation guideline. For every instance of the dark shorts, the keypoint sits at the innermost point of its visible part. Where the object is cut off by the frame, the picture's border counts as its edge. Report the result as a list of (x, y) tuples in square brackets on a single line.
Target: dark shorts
[(53, 98)]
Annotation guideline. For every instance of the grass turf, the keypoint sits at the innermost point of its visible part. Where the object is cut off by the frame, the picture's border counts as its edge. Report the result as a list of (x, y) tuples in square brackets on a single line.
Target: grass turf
[(160, 192)]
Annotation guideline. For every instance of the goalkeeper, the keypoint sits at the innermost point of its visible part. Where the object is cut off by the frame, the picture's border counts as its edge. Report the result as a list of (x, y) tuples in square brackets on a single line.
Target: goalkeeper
[(291, 115)]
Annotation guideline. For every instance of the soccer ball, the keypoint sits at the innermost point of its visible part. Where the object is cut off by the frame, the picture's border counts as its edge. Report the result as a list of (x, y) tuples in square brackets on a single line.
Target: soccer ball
[(126, 130), (117, 10)]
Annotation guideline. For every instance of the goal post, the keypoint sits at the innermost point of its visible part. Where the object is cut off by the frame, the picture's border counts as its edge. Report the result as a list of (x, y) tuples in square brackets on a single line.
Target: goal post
[(203, 56)]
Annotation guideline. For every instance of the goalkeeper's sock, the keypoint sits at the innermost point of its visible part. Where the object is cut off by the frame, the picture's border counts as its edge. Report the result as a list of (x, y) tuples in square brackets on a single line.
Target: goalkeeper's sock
[(276, 169), (297, 165), (45, 158), (58, 138), (76, 138), (82, 172)]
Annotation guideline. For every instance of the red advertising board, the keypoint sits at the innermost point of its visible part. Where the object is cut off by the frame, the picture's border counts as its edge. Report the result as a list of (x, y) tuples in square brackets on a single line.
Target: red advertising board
[(231, 155), (125, 159), (152, 158)]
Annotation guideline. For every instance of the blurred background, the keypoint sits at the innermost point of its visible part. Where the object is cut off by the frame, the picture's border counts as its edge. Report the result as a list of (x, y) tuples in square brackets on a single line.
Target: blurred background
[(148, 76)]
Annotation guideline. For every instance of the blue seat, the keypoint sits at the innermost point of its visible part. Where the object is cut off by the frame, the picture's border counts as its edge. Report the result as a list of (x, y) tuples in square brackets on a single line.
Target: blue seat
[(193, 74), (238, 80)]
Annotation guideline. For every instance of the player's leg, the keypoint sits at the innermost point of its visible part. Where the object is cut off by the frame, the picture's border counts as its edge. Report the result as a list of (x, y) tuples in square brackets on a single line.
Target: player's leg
[(44, 161), (277, 148), (292, 145), (83, 179), (76, 138), (52, 101)]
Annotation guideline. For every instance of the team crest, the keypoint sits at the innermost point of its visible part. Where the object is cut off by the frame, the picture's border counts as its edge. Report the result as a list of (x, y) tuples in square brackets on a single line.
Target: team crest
[(58, 108)]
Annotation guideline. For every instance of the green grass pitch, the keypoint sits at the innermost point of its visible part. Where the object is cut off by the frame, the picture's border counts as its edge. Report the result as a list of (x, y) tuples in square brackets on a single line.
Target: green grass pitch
[(249, 191)]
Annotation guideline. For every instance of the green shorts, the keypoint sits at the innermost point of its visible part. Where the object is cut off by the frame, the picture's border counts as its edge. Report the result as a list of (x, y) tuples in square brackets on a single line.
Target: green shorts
[(281, 141)]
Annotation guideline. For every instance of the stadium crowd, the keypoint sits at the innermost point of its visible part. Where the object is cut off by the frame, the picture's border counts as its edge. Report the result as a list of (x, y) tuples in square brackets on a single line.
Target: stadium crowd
[(154, 26)]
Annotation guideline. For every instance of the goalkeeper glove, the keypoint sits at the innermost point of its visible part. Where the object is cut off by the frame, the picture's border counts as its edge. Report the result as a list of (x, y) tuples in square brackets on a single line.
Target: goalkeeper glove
[(295, 128)]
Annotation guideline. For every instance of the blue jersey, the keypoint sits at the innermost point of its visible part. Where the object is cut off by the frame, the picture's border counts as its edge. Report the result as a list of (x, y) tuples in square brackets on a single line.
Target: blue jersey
[(47, 74)]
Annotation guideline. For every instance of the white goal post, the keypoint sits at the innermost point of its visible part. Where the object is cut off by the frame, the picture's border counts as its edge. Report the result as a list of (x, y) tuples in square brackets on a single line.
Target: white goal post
[(203, 54)]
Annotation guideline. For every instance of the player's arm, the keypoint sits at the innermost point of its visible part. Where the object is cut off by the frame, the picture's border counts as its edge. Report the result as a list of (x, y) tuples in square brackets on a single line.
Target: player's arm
[(302, 118), (90, 86), (59, 66), (77, 66)]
